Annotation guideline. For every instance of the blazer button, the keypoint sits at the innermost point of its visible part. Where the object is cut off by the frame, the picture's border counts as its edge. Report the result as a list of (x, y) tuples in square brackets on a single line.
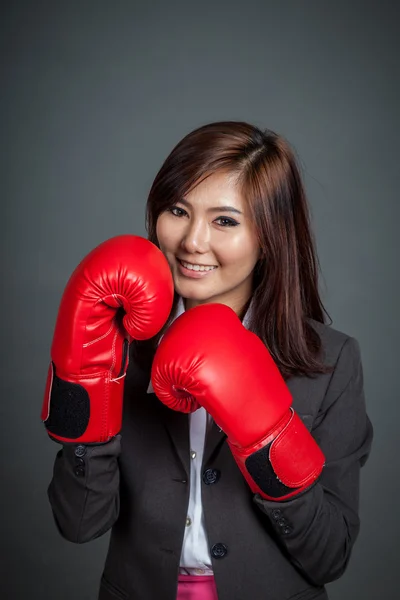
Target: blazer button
[(80, 450), (285, 526), (282, 522), (79, 471), (276, 514), (219, 550), (286, 530), (211, 476)]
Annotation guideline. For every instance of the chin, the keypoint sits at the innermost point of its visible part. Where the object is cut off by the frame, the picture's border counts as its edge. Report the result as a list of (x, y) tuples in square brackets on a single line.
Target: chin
[(189, 293), (192, 295)]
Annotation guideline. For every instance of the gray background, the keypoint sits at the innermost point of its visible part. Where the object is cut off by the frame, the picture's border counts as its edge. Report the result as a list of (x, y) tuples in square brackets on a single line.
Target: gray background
[(93, 97)]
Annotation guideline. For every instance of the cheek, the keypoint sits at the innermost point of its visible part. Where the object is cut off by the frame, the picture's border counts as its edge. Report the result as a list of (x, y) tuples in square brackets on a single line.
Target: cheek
[(164, 232), (160, 229), (241, 251)]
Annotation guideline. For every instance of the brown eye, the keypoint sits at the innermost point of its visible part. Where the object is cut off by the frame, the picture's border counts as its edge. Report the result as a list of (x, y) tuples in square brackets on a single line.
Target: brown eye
[(177, 212), (227, 222)]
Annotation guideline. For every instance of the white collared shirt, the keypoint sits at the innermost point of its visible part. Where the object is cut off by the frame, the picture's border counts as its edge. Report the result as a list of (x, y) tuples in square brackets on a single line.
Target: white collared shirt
[(195, 557)]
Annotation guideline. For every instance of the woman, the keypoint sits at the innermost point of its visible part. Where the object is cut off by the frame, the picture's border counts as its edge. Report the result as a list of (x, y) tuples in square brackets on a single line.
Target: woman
[(191, 516)]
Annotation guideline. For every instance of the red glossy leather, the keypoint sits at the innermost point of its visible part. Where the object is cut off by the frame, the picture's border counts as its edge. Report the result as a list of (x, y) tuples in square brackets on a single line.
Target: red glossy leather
[(122, 290), (208, 358)]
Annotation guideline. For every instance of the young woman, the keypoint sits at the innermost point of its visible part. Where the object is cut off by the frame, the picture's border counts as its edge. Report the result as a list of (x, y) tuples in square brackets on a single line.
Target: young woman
[(239, 478)]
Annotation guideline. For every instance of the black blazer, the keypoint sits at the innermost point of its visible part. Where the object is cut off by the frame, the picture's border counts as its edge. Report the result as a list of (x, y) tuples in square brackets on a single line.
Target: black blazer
[(138, 484)]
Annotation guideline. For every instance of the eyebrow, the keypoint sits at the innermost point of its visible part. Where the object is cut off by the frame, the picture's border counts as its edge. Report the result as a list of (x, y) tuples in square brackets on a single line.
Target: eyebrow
[(215, 208)]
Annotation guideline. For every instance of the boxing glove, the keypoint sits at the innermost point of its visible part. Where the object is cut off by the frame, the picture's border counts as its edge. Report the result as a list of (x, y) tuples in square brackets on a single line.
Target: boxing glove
[(208, 358), (122, 290)]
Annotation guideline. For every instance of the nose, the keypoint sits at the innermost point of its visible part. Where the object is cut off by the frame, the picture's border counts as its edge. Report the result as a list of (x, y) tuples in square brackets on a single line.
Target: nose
[(196, 237)]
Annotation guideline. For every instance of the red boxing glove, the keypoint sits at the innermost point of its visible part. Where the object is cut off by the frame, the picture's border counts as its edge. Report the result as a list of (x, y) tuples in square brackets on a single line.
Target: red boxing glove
[(207, 358), (122, 289)]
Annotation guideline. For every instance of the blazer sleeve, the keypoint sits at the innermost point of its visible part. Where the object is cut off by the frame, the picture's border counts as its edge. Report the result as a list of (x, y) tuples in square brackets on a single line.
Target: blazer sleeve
[(84, 490), (318, 528)]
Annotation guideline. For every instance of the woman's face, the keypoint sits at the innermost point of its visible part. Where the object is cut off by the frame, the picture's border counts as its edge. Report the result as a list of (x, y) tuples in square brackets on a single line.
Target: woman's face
[(210, 243)]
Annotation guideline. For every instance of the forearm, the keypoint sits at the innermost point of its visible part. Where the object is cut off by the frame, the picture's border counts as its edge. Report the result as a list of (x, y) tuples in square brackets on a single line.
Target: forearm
[(84, 490), (319, 527), (319, 524), (317, 534)]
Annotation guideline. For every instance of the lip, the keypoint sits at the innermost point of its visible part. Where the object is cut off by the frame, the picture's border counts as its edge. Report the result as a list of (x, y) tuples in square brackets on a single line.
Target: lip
[(193, 274)]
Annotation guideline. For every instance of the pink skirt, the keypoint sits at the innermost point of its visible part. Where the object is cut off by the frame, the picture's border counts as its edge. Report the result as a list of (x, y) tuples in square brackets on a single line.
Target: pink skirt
[(196, 587)]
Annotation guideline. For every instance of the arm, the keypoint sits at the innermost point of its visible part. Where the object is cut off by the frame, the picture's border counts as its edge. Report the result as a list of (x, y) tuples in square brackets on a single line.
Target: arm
[(306, 484), (122, 290), (318, 528), (84, 490)]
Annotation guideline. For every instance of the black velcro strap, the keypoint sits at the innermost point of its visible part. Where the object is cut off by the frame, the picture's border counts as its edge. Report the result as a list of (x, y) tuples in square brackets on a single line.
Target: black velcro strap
[(69, 409), (259, 467)]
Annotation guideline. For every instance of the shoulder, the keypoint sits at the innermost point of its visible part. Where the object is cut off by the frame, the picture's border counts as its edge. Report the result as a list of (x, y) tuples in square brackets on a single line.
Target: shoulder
[(338, 349), (332, 340)]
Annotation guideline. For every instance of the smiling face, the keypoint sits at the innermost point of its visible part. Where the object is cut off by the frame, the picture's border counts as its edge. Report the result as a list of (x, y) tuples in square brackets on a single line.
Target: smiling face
[(210, 243)]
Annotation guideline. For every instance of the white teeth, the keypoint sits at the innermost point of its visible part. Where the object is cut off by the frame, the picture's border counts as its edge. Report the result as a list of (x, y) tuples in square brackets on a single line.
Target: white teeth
[(196, 267)]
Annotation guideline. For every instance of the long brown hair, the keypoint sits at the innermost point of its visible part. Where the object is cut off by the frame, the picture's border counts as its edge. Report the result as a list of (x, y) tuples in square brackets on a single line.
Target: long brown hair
[(285, 292)]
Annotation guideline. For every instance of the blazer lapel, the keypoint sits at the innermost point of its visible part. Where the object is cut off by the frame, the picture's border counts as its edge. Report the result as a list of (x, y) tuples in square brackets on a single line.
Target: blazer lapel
[(214, 439), (303, 395), (177, 425)]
